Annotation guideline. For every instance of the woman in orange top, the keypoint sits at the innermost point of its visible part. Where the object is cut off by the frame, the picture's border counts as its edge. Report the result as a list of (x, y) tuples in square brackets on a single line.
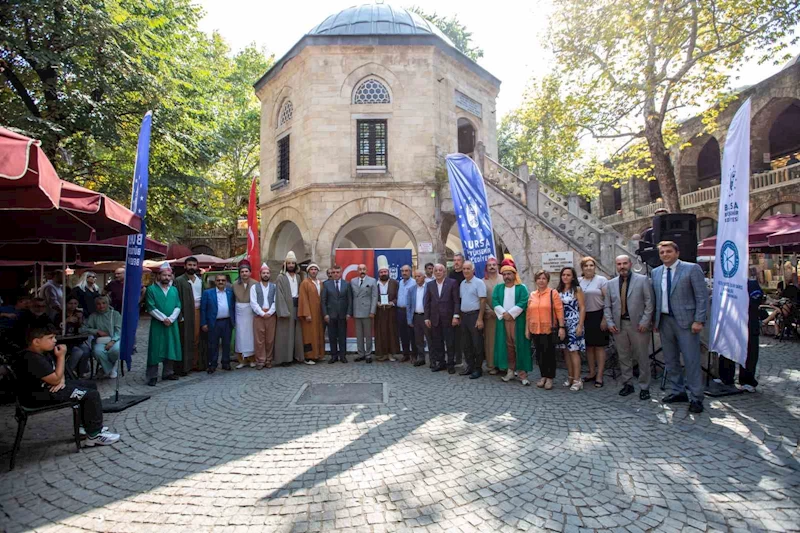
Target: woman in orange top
[(545, 312)]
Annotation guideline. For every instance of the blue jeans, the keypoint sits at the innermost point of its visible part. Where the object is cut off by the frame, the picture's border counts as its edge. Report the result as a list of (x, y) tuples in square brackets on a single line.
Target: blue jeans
[(677, 341), (220, 332), (106, 358)]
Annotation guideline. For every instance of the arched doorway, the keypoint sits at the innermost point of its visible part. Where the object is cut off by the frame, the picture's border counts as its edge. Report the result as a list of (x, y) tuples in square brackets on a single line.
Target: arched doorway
[(375, 230), (785, 208), (466, 137), (203, 249), (774, 134), (709, 167), (287, 237)]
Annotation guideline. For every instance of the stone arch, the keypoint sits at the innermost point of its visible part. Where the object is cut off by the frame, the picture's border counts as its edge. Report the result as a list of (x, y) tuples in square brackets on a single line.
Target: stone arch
[(272, 229), (463, 123), (762, 124), (286, 93), (203, 249), (381, 73), (757, 211), (706, 227), (514, 242), (330, 229), (699, 155)]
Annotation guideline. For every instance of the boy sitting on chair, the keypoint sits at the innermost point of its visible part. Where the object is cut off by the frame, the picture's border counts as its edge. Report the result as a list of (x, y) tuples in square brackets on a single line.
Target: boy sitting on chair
[(41, 382)]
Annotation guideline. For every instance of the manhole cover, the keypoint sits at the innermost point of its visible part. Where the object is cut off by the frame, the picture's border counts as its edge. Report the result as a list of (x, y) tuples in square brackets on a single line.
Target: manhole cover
[(341, 394)]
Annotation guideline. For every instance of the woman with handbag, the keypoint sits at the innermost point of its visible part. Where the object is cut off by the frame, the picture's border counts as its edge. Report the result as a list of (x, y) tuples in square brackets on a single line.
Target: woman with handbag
[(545, 327), (574, 314)]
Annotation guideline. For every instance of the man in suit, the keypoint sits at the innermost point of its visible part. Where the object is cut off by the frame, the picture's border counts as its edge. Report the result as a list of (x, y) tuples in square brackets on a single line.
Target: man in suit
[(415, 315), (337, 307), (217, 318), (442, 308), (681, 309), (365, 302), (629, 313)]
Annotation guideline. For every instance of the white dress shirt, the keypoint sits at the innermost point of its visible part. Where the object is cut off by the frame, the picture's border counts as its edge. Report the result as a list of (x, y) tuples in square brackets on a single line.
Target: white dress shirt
[(383, 287), (509, 304), (223, 311), (254, 300), (293, 284), (419, 306), (439, 286), (664, 294), (197, 290), (318, 285)]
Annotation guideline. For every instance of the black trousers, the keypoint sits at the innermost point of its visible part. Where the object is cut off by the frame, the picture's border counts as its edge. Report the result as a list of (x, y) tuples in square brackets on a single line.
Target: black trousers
[(471, 340), (84, 391), (405, 332), (421, 334), (545, 354), (458, 345), (337, 335), (443, 347), (747, 373)]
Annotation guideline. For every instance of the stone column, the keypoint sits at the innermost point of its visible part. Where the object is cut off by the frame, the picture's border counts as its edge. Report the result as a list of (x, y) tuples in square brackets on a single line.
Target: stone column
[(607, 242), (532, 189)]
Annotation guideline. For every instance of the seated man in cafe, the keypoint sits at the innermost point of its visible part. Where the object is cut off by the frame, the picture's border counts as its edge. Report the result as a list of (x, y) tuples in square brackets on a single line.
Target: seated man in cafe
[(788, 294), (41, 382)]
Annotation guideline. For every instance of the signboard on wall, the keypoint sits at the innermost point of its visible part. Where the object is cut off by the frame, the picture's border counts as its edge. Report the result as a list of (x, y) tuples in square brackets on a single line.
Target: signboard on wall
[(425, 248), (468, 104), (555, 261)]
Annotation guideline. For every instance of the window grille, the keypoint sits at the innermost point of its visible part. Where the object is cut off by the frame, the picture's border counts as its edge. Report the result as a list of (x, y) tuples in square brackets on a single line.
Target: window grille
[(286, 113), (371, 92), (283, 159), (371, 143)]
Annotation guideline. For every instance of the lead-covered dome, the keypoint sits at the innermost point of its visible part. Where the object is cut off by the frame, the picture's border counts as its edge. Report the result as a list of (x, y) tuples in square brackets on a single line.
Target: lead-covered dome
[(377, 19)]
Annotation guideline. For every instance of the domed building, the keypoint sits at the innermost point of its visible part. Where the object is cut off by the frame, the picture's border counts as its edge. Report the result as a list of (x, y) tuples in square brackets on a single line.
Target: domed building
[(355, 121)]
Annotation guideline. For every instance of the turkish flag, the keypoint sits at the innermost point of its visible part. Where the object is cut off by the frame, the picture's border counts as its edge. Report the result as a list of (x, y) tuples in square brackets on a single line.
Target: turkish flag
[(253, 249), (349, 259)]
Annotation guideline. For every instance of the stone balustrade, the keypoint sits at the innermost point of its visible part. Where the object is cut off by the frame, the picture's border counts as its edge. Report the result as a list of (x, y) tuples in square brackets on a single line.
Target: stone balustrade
[(505, 180), (758, 182)]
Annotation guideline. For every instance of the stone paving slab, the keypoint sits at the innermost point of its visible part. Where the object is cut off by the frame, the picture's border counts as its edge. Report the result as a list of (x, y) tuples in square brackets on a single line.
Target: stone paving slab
[(230, 452)]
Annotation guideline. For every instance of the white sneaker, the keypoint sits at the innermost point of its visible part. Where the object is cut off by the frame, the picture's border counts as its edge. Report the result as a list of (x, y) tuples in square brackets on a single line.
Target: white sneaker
[(749, 388), (525, 382), (239, 366), (252, 365), (310, 362), (392, 359), (509, 376), (113, 374), (104, 438), (82, 430)]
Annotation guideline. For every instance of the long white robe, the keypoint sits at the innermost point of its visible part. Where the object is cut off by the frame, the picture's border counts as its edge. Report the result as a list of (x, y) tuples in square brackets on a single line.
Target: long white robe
[(245, 338)]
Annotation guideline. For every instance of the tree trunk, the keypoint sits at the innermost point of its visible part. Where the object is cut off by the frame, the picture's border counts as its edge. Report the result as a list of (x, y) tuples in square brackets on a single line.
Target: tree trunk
[(662, 164)]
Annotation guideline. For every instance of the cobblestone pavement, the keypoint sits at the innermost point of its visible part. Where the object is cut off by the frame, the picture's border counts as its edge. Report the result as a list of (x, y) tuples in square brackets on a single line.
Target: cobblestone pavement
[(229, 452)]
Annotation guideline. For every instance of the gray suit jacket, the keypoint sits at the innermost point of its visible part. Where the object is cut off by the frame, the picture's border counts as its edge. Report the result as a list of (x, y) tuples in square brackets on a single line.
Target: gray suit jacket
[(641, 301), (365, 297), (689, 296)]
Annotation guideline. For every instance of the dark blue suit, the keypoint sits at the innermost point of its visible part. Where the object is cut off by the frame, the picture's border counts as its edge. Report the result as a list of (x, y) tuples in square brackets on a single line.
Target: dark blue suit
[(218, 330)]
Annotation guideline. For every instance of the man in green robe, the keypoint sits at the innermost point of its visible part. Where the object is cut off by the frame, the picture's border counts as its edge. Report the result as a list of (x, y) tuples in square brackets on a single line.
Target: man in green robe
[(190, 290), (164, 346), (512, 351)]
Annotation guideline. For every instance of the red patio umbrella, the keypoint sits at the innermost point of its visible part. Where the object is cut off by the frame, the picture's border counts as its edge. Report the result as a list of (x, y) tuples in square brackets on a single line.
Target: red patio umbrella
[(46, 250), (758, 233), (203, 261), (26, 175)]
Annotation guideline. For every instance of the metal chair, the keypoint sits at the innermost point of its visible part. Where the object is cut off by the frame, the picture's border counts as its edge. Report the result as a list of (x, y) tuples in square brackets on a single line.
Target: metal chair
[(23, 413)]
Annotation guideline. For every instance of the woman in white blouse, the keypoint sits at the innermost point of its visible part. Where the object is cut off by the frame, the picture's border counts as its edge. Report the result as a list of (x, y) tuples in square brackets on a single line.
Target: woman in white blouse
[(596, 332)]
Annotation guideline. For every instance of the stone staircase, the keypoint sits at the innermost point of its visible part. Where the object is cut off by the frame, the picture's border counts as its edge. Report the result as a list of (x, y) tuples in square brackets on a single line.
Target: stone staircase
[(532, 219)]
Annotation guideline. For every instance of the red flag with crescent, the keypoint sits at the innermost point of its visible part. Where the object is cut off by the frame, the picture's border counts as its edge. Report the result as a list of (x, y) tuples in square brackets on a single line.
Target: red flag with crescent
[(253, 249)]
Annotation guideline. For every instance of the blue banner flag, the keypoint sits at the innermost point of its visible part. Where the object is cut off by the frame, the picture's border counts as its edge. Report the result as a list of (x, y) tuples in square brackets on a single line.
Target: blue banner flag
[(472, 210), (135, 256)]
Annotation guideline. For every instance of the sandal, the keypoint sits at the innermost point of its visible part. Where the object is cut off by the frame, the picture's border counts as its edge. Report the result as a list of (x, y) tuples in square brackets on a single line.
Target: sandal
[(548, 385), (598, 384), (541, 382), (589, 379)]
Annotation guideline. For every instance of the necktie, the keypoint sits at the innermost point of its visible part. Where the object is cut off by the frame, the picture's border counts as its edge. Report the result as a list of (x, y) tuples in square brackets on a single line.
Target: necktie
[(337, 286), (669, 289), (361, 282), (623, 297)]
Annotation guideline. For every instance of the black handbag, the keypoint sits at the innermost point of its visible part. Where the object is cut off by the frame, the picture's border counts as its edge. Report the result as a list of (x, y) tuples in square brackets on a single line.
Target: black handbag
[(553, 322)]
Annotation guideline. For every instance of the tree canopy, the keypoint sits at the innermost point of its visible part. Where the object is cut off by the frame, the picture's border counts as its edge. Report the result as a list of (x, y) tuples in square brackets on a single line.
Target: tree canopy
[(635, 64), (454, 30), (80, 74)]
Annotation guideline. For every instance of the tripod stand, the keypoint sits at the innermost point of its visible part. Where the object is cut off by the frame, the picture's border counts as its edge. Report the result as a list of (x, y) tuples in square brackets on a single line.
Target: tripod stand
[(655, 364)]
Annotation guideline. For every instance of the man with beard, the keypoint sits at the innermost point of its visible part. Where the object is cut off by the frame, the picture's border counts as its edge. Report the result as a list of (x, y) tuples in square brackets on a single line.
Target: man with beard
[(337, 306), (190, 290), (262, 301), (491, 279), (245, 343), (309, 313), (289, 334), (365, 301), (164, 345), (386, 345)]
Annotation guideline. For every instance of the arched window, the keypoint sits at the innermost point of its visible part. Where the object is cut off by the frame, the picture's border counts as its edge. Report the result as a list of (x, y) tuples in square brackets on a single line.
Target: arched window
[(286, 113), (706, 227), (787, 208), (371, 91)]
